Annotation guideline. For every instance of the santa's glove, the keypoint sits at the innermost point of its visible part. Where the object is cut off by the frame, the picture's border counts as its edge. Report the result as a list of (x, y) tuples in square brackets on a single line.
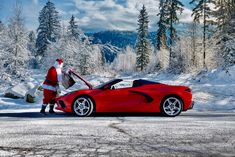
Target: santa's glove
[(58, 91), (40, 88)]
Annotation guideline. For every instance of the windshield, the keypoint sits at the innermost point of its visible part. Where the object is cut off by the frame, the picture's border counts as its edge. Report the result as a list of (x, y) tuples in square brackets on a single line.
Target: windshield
[(111, 82)]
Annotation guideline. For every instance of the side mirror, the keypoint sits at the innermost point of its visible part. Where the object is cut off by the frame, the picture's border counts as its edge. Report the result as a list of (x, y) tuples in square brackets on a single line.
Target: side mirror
[(106, 87)]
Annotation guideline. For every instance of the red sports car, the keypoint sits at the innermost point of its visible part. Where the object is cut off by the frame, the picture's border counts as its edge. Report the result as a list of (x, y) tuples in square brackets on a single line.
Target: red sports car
[(127, 96)]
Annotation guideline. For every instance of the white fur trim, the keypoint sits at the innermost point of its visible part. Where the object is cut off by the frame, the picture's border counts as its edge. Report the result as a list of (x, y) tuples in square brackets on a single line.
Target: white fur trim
[(48, 87), (58, 68)]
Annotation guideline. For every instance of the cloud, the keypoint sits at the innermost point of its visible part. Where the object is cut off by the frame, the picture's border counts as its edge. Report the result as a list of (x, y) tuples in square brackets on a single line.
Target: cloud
[(118, 14), (97, 15), (35, 2), (111, 14)]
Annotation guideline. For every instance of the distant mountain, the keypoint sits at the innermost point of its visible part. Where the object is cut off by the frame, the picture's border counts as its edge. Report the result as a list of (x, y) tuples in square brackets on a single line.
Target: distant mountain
[(112, 42), (109, 52), (120, 39)]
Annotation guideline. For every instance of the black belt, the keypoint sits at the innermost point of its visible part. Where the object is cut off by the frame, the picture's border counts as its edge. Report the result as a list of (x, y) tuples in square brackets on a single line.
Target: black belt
[(50, 82)]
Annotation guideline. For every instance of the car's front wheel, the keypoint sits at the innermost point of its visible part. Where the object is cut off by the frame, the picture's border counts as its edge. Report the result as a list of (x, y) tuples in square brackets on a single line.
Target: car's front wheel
[(171, 106), (83, 106)]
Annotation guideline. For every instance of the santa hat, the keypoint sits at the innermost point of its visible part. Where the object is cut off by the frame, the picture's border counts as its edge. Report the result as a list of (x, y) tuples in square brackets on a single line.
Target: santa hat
[(60, 61)]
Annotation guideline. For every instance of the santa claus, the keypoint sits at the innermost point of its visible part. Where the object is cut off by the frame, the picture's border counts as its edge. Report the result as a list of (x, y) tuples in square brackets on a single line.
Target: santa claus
[(51, 86)]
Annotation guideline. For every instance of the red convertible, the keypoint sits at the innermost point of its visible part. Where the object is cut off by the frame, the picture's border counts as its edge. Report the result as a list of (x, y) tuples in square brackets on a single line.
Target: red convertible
[(127, 96)]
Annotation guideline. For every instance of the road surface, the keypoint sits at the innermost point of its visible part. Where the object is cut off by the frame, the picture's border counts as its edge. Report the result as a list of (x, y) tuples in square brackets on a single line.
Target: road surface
[(27, 133)]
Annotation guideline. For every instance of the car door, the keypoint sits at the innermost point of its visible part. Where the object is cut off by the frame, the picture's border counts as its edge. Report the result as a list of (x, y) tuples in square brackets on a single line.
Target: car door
[(121, 100)]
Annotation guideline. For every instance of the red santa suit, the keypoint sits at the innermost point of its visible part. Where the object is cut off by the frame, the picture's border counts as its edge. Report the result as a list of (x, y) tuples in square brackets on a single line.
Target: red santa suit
[(51, 83)]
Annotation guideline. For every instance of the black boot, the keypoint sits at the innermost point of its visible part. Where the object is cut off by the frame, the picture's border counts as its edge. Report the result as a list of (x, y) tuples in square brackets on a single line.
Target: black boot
[(43, 109), (51, 109)]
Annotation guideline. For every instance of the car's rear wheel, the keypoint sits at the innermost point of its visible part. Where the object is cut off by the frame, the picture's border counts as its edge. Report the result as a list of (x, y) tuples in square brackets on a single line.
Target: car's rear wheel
[(83, 106), (171, 106)]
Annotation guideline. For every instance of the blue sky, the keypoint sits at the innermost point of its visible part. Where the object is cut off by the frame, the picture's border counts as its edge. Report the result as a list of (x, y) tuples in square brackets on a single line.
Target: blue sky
[(92, 15)]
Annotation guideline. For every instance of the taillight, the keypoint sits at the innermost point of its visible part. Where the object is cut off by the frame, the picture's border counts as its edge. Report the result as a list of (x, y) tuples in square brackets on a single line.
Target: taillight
[(188, 90)]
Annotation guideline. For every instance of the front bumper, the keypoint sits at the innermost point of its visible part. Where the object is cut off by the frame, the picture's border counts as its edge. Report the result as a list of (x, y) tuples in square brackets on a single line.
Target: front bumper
[(60, 105)]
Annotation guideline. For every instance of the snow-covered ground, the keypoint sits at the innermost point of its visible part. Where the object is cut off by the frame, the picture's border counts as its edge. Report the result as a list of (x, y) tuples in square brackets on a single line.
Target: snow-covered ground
[(212, 91)]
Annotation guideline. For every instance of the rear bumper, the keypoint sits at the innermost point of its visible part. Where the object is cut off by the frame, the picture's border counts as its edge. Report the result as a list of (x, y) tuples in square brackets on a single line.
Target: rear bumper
[(191, 106)]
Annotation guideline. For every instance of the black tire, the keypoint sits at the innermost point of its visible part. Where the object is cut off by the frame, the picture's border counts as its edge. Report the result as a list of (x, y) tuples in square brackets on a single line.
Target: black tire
[(171, 106), (83, 106)]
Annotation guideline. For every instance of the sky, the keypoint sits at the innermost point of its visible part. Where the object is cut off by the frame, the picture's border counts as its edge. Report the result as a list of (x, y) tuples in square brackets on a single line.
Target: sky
[(92, 15)]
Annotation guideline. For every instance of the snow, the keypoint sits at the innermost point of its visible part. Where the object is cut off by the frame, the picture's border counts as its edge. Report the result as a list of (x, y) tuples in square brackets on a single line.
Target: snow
[(212, 91), (20, 89)]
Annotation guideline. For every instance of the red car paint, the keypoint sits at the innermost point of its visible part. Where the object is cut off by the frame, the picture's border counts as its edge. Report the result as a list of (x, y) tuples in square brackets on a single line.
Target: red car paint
[(143, 98)]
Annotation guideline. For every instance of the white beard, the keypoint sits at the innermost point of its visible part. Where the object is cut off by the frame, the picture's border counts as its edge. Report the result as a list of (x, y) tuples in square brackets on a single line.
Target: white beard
[(58, 68)]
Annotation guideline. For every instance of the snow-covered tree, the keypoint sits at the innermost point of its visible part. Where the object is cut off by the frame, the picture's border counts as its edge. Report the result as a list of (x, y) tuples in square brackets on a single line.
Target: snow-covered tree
[(142, 45), (3, 46), (192, 31), (163, 57), (49, 27), (125, 61), (154, 64), (225, 42), (16, 58), (74, 31), (77, 54), (224, 14), (32, 48), (169, 10), (32, 43)]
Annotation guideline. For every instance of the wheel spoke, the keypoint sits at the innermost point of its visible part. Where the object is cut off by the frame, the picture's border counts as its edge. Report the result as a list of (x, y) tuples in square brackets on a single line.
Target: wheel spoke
[(77, 108), (84, 102), (86, 107), (81, 111), (169, 102), (167, 107)]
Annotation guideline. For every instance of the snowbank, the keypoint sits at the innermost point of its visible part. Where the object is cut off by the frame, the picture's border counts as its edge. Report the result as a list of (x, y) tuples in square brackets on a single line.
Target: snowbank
[(218, 76)]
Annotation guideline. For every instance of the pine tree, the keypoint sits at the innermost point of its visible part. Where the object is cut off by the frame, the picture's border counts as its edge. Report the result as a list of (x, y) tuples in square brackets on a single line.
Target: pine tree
[(49, 27), (32, 48), (32, 42), (225, 32), (173, 6), (162, 27), (202, 13), (143, 44), (192, 30), (73, 29)]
